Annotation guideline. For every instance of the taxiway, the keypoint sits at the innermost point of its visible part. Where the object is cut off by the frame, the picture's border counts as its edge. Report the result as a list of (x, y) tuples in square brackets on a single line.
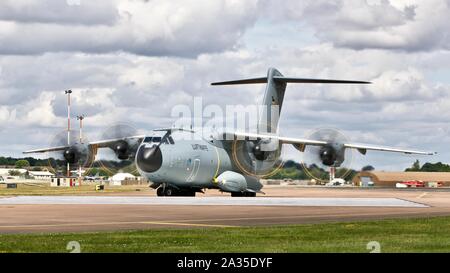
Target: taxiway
[(281, 206)]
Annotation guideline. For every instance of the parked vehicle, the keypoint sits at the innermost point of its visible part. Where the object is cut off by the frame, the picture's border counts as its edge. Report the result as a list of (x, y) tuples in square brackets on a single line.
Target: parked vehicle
[(336, 182), (413, 184)]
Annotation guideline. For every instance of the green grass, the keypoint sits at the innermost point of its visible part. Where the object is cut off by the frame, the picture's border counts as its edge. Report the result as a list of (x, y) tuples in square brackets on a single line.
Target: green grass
[(45, 189), (401, 235)]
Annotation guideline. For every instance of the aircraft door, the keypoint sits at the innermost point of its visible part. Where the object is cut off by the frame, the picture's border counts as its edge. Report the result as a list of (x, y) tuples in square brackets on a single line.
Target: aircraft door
[(194, 170)]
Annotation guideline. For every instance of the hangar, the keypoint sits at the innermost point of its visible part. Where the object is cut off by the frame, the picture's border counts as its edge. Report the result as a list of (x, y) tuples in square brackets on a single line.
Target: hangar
[(389, 179)]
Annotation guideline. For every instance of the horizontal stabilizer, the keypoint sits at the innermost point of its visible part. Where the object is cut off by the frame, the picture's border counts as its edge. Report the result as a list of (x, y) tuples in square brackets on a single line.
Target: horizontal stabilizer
[(286, 80), (304, 80), (245, 81)]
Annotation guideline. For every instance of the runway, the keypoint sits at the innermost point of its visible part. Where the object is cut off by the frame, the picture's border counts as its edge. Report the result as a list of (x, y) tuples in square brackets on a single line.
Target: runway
[(281, 206), (210, 201)]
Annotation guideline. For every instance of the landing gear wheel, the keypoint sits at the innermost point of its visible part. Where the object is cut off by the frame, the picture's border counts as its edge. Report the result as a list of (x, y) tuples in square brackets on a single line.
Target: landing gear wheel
[(169, 192), (160, 191), (187, 193), (243, 194)]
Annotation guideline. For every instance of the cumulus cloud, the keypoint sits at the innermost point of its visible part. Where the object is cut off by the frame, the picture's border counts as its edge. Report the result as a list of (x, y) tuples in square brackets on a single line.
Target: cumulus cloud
[(78, 12), (380, 24), (182, 28)]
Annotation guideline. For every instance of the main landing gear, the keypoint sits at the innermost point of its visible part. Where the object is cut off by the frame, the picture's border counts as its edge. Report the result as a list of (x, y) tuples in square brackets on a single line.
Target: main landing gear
[(171, 191), (243, 194)]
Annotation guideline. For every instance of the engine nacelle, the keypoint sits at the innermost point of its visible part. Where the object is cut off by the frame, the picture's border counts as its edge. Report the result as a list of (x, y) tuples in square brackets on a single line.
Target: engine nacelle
[(78, 154), (71, 155), (231, 182), (256, 158), (332, 155), (328, 155), (121, 148)]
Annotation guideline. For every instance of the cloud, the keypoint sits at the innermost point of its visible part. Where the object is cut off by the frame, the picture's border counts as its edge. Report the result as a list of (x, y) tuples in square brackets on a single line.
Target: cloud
[(70, 12), (378, 24), (180, 28)]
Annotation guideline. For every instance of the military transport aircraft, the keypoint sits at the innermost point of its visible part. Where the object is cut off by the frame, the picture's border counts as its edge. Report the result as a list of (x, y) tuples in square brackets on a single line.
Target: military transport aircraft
[(178, 164)]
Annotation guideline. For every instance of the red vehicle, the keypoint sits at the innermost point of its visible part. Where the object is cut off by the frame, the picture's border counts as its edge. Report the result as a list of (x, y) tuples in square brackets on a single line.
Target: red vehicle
[(414, 184)]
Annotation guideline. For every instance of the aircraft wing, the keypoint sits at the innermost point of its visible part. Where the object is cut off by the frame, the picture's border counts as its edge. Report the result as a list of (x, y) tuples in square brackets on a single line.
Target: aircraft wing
[(285, 140), (44, 150), (362, 148), (108, 142), (300, 143), (98, 144)]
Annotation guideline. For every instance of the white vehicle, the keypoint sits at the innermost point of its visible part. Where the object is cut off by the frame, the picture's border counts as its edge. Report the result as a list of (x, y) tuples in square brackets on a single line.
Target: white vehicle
[(336, 182)]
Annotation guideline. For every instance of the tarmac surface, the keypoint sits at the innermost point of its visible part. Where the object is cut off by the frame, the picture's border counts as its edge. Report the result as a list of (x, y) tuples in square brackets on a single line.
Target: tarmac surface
[(280, 206), (209, 201)]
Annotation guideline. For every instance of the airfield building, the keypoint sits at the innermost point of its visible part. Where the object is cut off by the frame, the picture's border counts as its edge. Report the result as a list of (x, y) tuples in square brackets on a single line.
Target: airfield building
[(390, 179), (41, 175)]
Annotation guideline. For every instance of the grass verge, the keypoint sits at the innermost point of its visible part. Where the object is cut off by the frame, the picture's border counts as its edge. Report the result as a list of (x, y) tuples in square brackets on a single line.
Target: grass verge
[(46, 189), (399, 235)]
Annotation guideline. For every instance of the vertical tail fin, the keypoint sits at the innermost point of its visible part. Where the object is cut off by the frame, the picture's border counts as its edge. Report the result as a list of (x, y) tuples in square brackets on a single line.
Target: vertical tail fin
[(272, 103)]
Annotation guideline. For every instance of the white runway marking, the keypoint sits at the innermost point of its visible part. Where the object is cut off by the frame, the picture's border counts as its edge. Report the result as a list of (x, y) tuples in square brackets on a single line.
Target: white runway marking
[(210, 201)]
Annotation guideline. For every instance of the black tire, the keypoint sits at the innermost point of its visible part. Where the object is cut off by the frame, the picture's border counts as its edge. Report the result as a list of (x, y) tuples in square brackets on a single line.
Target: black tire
[(250, 194), (169, 192), (186, 192), (243, 194), (190, 193), (160, 191)]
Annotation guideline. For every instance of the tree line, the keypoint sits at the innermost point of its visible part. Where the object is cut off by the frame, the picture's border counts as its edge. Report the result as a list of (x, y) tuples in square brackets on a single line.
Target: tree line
[(290, 169)]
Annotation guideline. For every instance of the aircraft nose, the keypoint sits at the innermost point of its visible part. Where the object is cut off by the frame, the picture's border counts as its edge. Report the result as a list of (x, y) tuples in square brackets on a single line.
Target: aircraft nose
[(149, 159)]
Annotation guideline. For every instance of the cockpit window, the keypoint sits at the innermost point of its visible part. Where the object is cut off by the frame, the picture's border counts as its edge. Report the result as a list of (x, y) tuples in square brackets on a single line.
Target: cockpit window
[(171, 140), (152, 139)]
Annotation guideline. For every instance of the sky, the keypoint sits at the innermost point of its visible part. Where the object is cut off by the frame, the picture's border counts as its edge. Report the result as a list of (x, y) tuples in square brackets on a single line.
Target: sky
[(132, 61)]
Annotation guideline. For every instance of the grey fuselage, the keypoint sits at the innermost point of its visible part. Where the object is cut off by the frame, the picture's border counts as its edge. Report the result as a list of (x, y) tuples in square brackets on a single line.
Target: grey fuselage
[(191, 161)]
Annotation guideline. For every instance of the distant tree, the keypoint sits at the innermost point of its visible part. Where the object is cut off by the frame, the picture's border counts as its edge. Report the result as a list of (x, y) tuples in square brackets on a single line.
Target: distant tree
[(14, 173), (97, 171), (20, 164), (435, 167), (7, 161), (36, 169), (367, 168), (415, 167)]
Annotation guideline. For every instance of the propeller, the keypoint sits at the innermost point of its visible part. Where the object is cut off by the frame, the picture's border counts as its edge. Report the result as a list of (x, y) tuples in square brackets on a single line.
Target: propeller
[(125, 148), (76, 154), (121, 153), (332, 155), (261, 157)]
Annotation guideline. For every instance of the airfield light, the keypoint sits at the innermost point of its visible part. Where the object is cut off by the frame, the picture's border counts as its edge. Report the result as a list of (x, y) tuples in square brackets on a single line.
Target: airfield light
[(68, 92), (332, 173), (80, 118)]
